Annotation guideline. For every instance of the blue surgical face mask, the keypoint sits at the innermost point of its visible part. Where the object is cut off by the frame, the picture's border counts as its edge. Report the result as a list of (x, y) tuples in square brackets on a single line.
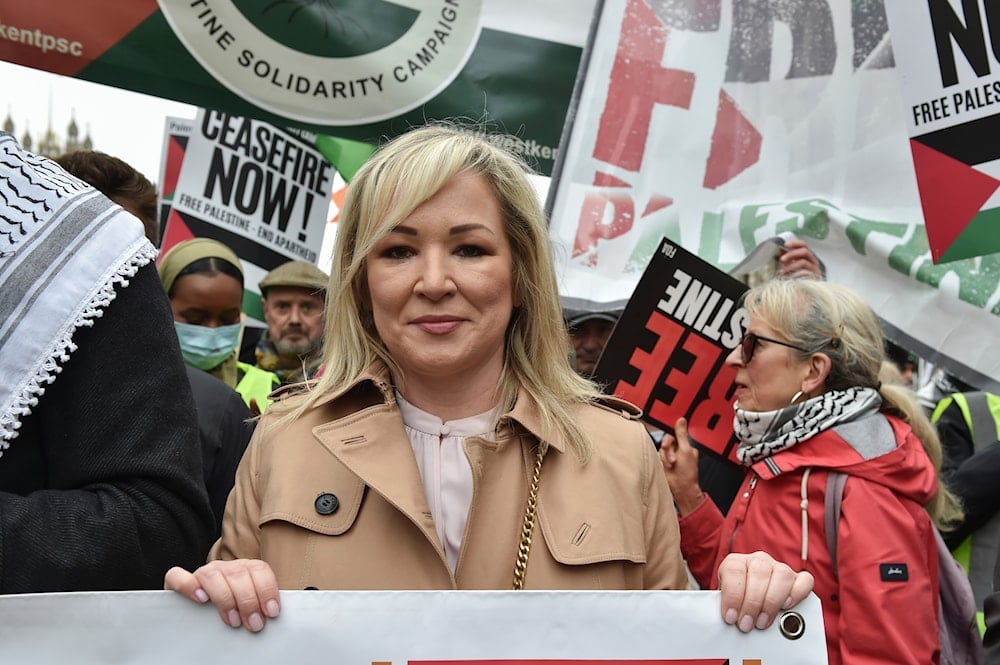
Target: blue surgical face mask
[(205, 347)]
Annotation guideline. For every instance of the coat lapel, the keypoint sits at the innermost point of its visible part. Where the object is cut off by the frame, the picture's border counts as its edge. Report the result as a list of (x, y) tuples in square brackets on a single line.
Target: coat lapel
[(373, 445)]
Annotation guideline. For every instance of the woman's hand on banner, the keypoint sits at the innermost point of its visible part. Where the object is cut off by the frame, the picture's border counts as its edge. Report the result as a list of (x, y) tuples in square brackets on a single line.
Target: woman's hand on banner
[(244, 591), (755, 588)]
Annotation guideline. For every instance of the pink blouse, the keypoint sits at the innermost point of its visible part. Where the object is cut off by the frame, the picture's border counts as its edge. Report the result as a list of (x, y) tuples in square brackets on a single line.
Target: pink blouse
[(444, 468)]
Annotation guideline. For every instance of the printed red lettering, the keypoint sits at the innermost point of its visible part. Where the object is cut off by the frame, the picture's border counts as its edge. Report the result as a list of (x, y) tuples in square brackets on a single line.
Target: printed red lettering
[(638, 83), (686, 384), (592, 224), (711, 423), (650, 364)]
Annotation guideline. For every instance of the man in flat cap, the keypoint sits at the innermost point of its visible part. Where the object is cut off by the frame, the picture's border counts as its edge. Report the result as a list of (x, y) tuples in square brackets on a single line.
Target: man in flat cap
[(293, 297)]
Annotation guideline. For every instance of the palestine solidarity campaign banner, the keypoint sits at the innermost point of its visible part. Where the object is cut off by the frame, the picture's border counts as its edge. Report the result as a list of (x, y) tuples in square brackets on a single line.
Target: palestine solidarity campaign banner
[(354, 69)]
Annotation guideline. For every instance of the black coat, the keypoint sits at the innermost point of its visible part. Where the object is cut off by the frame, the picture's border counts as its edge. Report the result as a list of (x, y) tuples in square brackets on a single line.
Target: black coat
[(971, 475), (225, 428), (102, 489)]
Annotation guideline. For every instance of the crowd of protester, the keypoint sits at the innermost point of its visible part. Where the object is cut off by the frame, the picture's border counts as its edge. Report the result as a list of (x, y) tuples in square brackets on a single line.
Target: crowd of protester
[(137, 473)]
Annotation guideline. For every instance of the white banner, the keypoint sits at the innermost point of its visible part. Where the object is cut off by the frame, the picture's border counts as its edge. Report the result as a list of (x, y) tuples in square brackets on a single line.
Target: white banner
[(720, 127), (405, 628)]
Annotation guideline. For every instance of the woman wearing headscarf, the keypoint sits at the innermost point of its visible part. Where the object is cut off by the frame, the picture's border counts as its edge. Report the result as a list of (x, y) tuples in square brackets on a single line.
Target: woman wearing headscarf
[(203, 279), (809, 404)]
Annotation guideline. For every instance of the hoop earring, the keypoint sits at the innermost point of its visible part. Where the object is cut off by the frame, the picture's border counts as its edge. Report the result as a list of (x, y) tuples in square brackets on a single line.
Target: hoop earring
[(795, 397)]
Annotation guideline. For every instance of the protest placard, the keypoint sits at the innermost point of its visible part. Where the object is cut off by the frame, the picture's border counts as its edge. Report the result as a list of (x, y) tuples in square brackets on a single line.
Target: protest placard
[(667, 352), (950, 72), (175, 137), (262, 190)]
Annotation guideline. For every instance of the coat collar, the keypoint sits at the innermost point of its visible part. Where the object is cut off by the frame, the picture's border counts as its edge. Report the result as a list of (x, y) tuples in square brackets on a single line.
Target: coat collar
[(527, 414), (525, 411), (362, 427)]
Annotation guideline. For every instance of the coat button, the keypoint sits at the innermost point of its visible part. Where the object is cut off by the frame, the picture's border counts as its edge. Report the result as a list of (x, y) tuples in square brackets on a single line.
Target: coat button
[(327, 504)]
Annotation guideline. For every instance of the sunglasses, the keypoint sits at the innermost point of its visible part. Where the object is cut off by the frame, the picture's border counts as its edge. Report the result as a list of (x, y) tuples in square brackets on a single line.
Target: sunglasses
[(748, 346)]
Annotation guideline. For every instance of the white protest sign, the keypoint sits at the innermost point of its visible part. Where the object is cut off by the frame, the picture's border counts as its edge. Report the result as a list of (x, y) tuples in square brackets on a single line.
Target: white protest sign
[(257, 181), (262, 190), (946, 53), (404, 628), (724, 127)]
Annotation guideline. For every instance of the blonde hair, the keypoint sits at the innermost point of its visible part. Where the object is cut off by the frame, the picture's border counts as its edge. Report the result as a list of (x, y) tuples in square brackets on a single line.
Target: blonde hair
[(398, 178), (889, 373), (824, 317)]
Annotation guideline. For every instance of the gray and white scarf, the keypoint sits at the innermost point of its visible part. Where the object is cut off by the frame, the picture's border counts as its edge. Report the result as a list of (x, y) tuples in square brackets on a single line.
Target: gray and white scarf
[(63, 249), (764, 433)]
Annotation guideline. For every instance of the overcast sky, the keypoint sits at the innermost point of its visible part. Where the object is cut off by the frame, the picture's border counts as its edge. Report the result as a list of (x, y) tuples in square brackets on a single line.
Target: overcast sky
[(125, 124)]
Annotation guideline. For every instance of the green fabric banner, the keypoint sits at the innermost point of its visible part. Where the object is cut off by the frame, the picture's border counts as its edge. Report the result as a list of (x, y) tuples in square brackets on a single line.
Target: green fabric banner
[(360, 70)]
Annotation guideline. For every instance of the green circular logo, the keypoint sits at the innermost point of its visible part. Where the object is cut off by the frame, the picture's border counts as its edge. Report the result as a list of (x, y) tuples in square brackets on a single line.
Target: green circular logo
[(329, 62)]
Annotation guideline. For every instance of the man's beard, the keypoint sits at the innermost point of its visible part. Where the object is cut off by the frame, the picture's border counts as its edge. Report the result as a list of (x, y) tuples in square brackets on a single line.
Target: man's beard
[(302, 348)]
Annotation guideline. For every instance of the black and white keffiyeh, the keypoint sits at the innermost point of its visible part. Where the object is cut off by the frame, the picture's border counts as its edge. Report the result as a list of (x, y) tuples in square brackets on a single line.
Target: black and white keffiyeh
[(763, 433), (63, 248)]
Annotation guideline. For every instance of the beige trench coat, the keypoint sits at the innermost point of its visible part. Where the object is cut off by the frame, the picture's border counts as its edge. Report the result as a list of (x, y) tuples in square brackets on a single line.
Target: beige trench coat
[(335, 501)]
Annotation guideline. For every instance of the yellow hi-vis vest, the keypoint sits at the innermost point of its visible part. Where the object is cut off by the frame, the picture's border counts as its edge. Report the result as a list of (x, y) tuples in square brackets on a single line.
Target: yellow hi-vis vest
[(256, 384), (978, 552)]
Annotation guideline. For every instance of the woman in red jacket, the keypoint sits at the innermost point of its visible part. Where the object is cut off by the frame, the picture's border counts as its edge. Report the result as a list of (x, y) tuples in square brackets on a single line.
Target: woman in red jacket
[(809, 403)]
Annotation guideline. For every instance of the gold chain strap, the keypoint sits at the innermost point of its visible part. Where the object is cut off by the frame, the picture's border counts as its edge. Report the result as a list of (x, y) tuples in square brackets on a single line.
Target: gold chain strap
[(521, 565)]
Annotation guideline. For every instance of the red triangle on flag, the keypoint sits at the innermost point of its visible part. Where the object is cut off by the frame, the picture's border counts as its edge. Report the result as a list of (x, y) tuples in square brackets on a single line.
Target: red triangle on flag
[(172, 167), (951, 193), (176, 231)]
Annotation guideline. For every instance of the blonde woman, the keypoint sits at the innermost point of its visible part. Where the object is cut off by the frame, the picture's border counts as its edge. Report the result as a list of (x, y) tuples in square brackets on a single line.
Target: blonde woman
[(449, 444)]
